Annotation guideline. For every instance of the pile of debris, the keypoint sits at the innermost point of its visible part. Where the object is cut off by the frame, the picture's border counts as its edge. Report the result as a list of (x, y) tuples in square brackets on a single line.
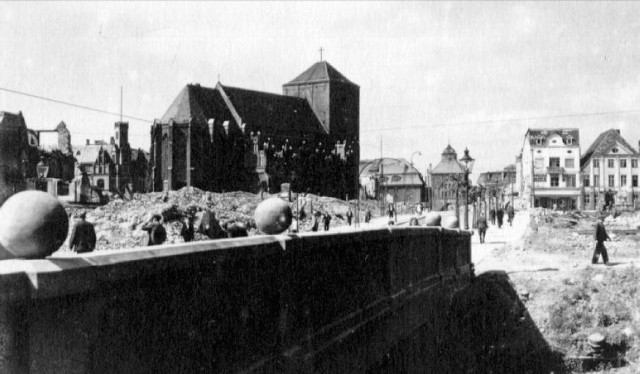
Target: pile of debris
[(118, 223)]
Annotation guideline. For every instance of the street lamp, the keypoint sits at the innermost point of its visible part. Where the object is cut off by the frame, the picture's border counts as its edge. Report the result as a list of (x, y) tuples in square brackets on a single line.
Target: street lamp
[(413, 154), (468, 166)]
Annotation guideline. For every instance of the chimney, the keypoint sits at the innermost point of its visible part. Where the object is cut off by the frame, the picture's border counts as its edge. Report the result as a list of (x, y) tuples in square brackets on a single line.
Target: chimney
[(112, 141), (88, 142)]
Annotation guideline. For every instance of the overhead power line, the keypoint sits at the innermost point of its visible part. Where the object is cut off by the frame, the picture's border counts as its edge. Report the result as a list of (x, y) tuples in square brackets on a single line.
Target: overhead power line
[(73, 105), (502, 120)]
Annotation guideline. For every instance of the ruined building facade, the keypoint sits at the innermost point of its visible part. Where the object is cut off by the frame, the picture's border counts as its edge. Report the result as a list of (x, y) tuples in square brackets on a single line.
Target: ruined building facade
[(226, 138)]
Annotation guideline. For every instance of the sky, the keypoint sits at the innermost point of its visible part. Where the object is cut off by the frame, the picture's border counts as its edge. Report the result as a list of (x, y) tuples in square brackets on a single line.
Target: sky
[(472, 74)]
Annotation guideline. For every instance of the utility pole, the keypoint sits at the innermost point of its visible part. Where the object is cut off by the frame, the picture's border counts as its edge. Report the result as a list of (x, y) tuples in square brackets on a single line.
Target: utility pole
[(189, 154), (381, 179)]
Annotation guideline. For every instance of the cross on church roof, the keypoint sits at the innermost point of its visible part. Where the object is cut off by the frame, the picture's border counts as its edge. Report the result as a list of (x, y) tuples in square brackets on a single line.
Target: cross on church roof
[(321, 49)]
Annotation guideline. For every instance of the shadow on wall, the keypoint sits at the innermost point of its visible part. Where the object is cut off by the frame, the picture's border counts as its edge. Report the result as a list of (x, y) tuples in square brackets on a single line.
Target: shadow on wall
[(491, 331)]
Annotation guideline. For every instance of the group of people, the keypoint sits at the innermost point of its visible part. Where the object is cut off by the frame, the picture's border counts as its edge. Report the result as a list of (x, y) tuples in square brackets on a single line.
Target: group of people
[(495, 217), (83, 235)]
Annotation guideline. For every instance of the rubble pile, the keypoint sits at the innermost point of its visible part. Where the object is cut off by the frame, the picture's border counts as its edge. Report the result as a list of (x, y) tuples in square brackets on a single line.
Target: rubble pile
[(118, 223)]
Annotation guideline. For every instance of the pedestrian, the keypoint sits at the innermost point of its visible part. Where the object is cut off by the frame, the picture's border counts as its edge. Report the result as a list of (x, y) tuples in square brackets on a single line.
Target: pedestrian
[(210, 226), (367, 216), (83, 236), (492, 216), (314, 221), (482, 227), (157, 233), (510, 214), (326, 220), (349, 216), (600, 237), (187, 232), (392, 214), (500, 217)]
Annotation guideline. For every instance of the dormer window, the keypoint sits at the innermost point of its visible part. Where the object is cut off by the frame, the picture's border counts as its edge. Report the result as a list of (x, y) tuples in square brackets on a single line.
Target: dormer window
[(614, 150), (569, 141), (538, 141)]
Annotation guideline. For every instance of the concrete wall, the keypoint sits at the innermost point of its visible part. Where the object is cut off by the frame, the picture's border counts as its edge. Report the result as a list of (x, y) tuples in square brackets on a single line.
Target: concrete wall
[(345, 302)]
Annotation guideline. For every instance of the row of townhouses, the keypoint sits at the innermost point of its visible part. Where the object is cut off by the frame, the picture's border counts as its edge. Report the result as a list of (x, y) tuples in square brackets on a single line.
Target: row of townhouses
[(551, 172)]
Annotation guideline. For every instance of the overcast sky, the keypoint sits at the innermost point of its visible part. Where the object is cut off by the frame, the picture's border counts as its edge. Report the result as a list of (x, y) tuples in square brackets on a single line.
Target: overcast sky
[(429, 73)]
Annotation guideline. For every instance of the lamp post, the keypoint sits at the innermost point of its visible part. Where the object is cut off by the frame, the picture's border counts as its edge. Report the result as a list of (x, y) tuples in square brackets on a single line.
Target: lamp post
[(468, 165), (413, 154)]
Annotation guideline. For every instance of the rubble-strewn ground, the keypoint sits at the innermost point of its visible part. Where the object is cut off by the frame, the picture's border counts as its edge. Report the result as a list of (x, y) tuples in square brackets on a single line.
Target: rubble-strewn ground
[(566, 296), (118, 223)]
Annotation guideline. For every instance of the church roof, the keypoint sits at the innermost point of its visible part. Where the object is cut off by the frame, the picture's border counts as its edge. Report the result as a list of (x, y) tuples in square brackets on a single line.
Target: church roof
[(449, 150), (11, 120), (321, 71), (603, 143), (448, 164), (273, 113)]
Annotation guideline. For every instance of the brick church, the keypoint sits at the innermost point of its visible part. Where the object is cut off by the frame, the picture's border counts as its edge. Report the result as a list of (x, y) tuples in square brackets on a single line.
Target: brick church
[(226, 138)]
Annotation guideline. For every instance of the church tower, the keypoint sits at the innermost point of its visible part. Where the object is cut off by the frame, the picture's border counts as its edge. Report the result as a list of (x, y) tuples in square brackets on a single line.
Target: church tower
[(334, 99)]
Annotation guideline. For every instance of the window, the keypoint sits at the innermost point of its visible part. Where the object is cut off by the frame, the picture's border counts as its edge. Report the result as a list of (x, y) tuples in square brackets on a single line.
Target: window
[(585, 181), (623, 162), (614, 150), (538, 141), (596, 181), (570, 180), (101, 183), (634, 181), (538, 163), (610, 163), (554, 162), (586, 198), (569, 163), (569, 140), (540, 178), (555, 180), (596, 163), (623, 181), (612, 180), (634, 163)]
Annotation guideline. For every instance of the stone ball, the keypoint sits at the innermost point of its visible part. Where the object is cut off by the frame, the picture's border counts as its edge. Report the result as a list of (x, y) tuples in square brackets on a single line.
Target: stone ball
[(33, 224), (450, 222), (273, 216), (433, 219)]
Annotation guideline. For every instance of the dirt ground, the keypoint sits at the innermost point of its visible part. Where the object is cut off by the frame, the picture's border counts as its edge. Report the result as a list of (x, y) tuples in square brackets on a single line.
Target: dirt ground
[(547, 256)]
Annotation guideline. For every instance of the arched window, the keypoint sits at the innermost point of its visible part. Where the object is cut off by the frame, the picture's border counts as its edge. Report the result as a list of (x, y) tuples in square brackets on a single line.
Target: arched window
[(101, 183)]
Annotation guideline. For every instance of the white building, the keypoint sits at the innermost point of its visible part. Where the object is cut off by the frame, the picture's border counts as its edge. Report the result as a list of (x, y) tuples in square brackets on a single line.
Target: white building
[(550, 169), (610, 165)]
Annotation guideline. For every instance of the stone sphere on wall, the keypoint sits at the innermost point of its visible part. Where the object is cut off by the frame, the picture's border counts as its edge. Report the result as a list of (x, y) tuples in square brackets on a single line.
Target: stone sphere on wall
[(451, 222), (273, 216), (432, 219), (33, 224)]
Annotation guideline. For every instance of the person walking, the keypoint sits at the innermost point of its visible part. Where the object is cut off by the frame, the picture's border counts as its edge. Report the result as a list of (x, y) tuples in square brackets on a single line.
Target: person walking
[(314, 221), (83, 236), (492, 216), (187, 232), (510, 214), (349, 216), (482, 227), (367, 216), (392, 214), (600, 237), (326, 220), (157, 233), (500, 217)]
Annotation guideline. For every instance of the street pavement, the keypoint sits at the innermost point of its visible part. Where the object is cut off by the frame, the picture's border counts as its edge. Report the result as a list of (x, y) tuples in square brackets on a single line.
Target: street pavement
[(497, 238)]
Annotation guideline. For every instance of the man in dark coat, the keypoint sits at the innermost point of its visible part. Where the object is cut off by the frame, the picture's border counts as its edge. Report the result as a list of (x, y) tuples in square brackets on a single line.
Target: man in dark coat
[(482, 227), (349, 216), (157, 233), (600, 237), (510, 214), (500, 217), (210, 226), (83, 236), (367, 216), (492, 216), (326, 220), (187, 232), (314, 221)]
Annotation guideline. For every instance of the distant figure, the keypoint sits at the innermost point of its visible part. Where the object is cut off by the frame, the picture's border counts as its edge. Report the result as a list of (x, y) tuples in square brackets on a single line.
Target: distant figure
[(500, 217), (157, 233), (392, 214), (600, 237), (187, 232), (349, 216), (210, 226), (326, 220), (419, 209), (83, 236), (492, 216), (314, 221), (510, 214), (482, 227), (367, 216)]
